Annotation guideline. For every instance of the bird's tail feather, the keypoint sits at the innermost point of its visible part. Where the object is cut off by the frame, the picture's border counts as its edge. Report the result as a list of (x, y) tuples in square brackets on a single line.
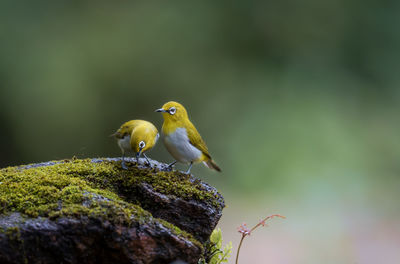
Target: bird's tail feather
[(212, 165)]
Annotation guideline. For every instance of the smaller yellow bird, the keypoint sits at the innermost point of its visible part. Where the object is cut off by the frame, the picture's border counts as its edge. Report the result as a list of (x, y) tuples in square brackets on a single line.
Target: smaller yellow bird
[(181, 138), (138, 136)]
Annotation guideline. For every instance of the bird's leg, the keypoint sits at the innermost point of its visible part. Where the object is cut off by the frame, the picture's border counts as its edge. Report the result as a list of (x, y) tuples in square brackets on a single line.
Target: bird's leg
[(171, 164), (137, 157), (190, 167), (147, 159), (123, 162)]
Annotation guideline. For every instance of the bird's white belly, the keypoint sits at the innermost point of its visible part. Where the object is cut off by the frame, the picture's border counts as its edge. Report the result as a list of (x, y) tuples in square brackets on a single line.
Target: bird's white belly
[(125, 143), (179, 146)]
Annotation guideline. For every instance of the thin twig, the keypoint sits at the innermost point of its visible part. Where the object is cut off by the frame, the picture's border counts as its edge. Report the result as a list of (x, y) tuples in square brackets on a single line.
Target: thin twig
[(238, 250)]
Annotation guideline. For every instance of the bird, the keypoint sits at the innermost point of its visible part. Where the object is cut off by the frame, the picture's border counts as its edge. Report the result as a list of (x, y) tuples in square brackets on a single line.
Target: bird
[(138, 136), (182, 139)]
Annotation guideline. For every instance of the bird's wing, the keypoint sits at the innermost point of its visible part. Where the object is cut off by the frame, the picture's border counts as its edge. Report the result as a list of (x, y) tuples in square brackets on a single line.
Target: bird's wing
[(196, 140)]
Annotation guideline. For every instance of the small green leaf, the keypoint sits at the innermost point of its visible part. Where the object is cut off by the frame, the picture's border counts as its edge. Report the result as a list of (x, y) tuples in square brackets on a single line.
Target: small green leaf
[(218, 255)]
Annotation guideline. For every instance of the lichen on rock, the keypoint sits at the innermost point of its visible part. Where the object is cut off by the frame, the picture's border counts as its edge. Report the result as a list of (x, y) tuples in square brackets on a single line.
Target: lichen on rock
[(149, 203)]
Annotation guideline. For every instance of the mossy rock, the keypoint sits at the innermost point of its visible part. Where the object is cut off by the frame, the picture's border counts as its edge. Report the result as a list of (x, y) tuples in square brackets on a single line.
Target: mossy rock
[(98, 213)]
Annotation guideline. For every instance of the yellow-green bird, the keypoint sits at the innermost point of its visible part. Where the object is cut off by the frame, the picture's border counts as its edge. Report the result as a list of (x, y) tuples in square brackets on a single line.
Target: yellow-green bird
[(181, 138), (138, 136)]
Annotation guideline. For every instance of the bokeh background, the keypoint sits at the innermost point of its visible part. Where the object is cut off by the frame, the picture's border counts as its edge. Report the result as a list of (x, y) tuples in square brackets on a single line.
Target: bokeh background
[(298, 102)]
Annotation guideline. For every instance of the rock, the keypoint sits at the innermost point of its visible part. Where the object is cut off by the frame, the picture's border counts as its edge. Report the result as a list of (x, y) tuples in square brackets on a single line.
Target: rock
[(92, 211)]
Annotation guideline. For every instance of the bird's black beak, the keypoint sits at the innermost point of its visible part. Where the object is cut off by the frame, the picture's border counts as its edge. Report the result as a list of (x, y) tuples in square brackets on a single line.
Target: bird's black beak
[(161, 110)]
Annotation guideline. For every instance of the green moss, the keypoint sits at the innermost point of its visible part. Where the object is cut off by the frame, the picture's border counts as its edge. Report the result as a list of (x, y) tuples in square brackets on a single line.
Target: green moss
[(181, 232), (66, 189), (13, 233), (52, 191), (109, 175)]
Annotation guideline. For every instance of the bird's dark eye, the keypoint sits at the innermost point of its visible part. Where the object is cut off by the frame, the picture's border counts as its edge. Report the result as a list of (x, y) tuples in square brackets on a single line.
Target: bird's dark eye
[(172, 110), (142, 144)]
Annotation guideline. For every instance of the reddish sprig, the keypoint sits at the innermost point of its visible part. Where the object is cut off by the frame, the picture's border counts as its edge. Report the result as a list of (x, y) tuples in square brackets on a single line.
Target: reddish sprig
[(245, 231)]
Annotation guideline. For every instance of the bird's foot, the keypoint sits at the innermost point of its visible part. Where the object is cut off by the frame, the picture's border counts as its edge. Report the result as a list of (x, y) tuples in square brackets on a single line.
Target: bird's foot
[(170, 166), (123, 165), (190, 167), (147, 162)]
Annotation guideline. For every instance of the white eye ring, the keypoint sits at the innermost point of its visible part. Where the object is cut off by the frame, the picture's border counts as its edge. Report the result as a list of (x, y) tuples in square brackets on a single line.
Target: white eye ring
[(142, 144), (172, 110)]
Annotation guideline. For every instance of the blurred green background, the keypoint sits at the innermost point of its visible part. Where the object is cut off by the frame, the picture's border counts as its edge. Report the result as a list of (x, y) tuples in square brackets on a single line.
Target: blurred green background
[(298, 102)]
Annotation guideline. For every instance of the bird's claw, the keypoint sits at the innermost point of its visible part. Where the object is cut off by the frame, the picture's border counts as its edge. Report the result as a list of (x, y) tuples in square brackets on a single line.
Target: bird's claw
[(171, 165), (169, 168), (123, 165)]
